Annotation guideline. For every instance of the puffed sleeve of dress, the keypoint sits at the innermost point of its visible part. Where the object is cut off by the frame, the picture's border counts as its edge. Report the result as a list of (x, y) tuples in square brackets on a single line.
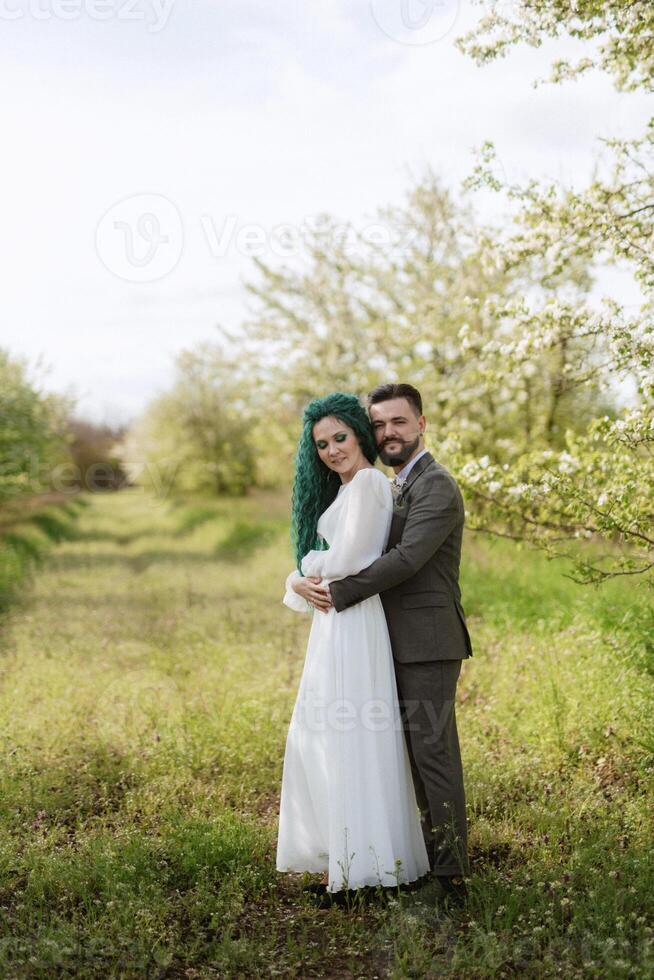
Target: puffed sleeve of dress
[(292, 599), (362, 532)]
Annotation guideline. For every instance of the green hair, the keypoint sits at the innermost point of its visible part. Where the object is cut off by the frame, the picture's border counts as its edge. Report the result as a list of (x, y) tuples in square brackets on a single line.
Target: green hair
[(315, 486)]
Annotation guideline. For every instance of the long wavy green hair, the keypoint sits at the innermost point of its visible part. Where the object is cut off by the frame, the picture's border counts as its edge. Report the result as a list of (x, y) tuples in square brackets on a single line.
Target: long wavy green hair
[(315, 486)]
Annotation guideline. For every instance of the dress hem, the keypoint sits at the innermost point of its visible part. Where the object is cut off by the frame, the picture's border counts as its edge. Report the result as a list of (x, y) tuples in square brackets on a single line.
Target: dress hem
[(375, 884)]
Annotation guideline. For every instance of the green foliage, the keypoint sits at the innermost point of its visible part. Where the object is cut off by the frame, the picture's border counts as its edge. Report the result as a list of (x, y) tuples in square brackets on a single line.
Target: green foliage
[(27, 546), (15, 556), (32, 431), (196, 516), (596, 481), (25, 542), (77, 503), (209, 850), (53, 523), (196, 437), (244, 539), (622, 29)]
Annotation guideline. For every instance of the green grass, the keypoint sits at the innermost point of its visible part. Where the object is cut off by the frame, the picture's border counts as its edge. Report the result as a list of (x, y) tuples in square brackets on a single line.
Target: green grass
[(245, 538), (146, 693), (27, 537), (195, 516)]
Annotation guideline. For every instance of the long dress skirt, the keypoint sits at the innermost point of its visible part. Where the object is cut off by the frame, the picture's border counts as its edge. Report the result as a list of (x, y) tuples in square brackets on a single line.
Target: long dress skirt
[(348, 805)]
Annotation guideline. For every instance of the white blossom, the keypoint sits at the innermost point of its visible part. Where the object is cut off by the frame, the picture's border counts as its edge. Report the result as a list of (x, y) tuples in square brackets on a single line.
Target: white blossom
[(567, 463)]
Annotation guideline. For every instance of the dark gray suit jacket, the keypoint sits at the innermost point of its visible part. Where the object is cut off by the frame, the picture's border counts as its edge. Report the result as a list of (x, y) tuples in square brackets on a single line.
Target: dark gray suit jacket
[(417, 577)]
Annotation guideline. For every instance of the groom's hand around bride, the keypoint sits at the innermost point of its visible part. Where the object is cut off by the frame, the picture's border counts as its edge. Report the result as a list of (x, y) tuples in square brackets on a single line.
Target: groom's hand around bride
[(317, 595)]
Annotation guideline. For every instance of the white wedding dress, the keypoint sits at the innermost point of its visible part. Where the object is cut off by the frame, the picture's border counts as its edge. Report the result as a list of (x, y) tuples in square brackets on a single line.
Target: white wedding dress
[(348, 805)]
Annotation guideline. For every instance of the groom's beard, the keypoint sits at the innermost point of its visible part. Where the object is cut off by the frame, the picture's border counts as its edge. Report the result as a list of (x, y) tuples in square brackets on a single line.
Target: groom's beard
[(399, 456)]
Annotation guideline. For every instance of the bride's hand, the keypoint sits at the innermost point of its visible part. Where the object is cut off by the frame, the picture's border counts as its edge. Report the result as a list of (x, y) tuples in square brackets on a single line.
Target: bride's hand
[(310, 590)]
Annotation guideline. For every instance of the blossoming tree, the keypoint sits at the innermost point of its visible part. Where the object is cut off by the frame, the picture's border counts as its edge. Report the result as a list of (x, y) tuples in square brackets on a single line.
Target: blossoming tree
[(599, 486)]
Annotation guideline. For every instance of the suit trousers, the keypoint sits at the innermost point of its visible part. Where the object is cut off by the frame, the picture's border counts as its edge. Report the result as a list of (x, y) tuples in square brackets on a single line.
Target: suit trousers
[(427, 692)]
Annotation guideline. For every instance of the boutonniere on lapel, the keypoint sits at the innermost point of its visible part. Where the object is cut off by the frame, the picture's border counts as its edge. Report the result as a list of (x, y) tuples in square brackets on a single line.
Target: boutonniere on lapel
[(397, 489)]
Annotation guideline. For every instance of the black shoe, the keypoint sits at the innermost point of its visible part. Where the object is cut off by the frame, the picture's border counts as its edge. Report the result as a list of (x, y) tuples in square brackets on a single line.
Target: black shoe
[(314, 888), (327, 900), (455, 890), (346, 898)]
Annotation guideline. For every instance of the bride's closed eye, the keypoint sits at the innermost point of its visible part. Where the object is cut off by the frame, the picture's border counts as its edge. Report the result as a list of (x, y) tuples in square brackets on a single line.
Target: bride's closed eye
[(341, 437)]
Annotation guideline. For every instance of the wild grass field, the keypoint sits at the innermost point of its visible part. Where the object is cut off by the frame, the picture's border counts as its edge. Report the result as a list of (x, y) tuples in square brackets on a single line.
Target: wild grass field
[(147, 674)]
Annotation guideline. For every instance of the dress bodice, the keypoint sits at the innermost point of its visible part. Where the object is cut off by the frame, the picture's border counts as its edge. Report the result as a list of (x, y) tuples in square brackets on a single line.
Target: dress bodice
[(329, 519), (356, 526)]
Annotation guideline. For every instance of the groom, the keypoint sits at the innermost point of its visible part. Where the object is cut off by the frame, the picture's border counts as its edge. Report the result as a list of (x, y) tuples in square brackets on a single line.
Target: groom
[(417, 578)]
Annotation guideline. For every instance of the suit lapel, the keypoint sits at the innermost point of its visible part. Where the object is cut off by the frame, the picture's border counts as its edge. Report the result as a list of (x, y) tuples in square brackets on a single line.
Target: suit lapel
[(397, 523), (416, 470)]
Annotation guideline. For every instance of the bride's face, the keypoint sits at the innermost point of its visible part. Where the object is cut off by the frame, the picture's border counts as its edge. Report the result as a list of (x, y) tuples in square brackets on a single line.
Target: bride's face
[(337, 445)]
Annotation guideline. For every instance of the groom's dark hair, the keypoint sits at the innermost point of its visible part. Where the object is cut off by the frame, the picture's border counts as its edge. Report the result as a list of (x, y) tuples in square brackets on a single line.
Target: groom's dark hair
[(383, 393)]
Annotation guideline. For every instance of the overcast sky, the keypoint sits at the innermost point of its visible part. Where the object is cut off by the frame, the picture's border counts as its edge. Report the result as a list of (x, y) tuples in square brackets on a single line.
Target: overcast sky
[(145, 144)]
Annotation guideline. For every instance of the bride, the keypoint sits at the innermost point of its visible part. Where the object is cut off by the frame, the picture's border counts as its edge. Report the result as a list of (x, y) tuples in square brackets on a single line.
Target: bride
[(348, 806)]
